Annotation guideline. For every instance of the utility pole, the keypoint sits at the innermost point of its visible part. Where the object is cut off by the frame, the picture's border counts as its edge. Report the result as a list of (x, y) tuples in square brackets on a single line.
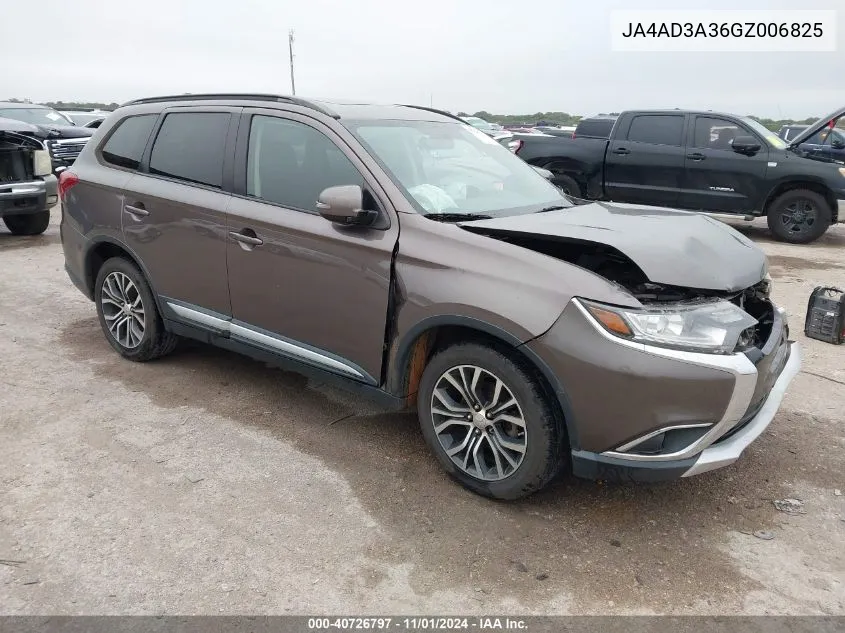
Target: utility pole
[(290, 51)]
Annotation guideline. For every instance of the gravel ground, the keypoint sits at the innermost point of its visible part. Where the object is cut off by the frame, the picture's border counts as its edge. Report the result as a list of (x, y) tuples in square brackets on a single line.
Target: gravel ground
[(208, 483)]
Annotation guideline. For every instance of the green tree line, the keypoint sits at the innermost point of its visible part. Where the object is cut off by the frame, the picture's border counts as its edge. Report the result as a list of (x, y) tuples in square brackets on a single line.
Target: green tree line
[(72, 105)]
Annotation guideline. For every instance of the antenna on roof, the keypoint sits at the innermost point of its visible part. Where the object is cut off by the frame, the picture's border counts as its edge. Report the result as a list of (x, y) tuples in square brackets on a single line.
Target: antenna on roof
[(290, 51)]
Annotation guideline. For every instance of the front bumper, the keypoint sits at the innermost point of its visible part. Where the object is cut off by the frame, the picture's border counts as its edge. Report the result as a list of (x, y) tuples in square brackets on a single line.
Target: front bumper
[(727, 451), (639, 412), (34, 196), (719, 454)]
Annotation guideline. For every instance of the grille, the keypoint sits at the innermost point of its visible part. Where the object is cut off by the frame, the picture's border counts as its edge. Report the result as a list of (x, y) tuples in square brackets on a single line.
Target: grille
[(66, 149)]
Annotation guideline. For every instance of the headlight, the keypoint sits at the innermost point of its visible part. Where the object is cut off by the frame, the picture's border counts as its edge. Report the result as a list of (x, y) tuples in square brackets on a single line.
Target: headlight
[(842, 170), (712, 326), (41, 164)]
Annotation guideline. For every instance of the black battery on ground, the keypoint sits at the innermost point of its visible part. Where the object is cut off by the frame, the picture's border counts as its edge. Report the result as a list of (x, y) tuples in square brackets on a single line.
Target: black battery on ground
[(826, 315)]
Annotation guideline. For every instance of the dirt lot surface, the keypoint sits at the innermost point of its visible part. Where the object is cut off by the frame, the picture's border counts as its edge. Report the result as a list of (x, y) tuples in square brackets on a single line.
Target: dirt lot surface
[(210, 483)]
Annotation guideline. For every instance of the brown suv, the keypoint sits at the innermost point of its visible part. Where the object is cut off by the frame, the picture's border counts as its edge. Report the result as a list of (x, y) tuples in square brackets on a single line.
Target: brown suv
[(412, 257)]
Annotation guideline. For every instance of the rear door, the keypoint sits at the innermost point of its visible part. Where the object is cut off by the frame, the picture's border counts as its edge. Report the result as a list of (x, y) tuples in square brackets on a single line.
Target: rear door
[(174, 210), (645, 161), (716, 177)]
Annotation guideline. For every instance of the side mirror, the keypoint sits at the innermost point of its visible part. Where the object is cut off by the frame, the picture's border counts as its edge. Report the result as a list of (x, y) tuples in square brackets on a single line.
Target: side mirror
[(746, 145), (837, 143), (545, 173), (344, 205)]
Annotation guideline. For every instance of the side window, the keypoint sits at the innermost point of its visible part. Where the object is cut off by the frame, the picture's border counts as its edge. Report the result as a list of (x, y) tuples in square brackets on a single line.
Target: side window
[(190, 146), (290, 163), (713, 133), (657, 129), (126, 144), (826, 136)]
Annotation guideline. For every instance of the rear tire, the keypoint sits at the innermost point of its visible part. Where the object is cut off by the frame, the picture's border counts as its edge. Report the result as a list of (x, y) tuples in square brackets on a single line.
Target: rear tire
[(28, 223), (799, 216), (501, 459), (128, 313)]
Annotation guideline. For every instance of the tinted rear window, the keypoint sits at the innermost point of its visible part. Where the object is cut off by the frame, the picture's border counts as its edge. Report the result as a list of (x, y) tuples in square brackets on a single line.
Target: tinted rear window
[(126, 144), (594, 128), (657, 129), (190, 146)]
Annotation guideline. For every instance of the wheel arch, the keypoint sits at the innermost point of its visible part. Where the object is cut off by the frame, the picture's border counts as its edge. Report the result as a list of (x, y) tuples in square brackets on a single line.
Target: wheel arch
[(421, 341), (101, 250), (816, 186)]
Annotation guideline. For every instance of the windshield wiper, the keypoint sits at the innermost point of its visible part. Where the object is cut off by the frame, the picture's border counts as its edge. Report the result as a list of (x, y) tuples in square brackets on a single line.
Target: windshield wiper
[(556, 207), (456, 217)]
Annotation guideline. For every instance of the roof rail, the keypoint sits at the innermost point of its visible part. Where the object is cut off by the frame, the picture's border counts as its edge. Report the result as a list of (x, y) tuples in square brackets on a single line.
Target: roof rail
[(305, 103), (434, 110)]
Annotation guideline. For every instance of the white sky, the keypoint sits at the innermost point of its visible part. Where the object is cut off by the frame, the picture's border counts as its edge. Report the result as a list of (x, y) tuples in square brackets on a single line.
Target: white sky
[(502, 56)]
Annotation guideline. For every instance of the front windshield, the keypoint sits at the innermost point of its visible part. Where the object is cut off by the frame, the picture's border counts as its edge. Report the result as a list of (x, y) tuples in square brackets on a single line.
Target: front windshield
[(771, 138), (450, 168), (35, 116)]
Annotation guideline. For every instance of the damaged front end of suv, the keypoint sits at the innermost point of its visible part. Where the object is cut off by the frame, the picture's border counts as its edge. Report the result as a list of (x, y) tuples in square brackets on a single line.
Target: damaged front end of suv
[(27, 186), (686, 376)]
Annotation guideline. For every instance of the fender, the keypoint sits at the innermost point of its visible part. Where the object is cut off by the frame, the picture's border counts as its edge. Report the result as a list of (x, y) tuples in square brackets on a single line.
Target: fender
[(108, 239), (403, 347)]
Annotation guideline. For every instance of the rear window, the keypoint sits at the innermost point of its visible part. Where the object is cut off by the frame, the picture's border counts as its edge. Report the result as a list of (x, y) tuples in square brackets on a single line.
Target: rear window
[(190, 146), (594, 128), (657, 129), (126, 144)]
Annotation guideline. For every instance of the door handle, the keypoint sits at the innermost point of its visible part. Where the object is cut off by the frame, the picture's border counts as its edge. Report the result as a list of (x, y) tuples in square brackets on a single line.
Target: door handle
[(137, 210), (622, 151), (245, 240), (697, 156)]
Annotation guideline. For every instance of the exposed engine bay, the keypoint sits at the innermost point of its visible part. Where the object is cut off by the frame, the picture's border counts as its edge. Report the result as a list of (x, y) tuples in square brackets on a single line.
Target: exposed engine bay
[(16, 151), (618, 268)]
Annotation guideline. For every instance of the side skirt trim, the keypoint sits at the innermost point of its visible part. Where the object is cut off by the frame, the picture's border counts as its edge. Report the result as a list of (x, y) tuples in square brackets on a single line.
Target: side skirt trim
[(236, 330)]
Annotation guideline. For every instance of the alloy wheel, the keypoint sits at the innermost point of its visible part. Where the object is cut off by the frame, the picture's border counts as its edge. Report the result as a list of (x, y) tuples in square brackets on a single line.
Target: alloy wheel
[(123, 309), (799, 217), (478, 422)]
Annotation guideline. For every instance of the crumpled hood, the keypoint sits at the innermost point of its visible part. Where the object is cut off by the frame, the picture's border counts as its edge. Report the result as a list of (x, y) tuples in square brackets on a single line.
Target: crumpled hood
[(671, 247), (13, 125)]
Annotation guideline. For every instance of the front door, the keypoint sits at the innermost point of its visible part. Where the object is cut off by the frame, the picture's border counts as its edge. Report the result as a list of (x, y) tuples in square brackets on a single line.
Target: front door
[(645, 163), (718, 178), (300, 285)]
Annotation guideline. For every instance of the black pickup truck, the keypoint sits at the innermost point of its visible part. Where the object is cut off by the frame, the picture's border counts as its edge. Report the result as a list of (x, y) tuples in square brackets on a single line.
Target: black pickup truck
[(702, 161)]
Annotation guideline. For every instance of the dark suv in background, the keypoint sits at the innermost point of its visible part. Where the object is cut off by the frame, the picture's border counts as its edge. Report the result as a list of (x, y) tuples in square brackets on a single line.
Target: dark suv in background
[(404, 254)]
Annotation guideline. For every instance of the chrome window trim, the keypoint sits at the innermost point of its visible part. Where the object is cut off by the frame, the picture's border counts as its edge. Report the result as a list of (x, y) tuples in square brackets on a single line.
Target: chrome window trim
[(743, 370)]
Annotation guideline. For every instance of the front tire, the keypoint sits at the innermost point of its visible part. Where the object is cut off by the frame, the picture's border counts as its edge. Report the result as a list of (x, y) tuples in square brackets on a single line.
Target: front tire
[(799, 216), (28, 223), (128, 313), (567, 185), (489, 422)]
